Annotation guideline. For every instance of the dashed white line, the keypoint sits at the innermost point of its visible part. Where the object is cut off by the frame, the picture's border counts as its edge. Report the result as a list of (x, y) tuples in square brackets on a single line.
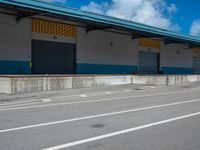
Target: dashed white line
[(108, 92), (98, 116), (127, 90), (121, 132), (83, 95), (47, 100)]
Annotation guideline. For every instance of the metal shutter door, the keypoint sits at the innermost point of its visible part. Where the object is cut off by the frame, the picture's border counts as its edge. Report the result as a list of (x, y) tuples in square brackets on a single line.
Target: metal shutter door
[(148, 62), (52, 57), (196, 64)]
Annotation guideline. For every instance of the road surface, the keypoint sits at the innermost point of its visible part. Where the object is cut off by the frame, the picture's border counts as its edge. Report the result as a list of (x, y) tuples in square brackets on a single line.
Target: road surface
[(123, 118)]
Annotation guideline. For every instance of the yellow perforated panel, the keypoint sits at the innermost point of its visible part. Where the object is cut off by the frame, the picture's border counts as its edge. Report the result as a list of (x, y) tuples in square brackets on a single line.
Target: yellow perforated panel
[(53, 28), (196, 51), (151, 43)]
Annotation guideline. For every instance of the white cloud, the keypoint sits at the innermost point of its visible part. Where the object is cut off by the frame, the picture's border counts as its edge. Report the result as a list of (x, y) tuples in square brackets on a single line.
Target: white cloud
[(172, 9), (195, 28), (96, 8), (150, 12)]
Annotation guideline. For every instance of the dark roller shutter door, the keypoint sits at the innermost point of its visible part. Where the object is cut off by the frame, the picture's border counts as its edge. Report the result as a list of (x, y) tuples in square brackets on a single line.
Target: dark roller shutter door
[(52, 57), (148, 62), (196, 65)]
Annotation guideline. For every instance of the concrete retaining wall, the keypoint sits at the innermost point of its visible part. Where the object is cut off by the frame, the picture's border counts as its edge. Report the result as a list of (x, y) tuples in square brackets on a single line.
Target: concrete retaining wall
[(5, 85), (14, 85), (38, 84)]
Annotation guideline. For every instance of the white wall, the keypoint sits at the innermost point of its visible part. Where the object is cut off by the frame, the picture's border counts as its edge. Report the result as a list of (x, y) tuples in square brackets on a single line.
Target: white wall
[(95, 48), (15, 39), (175, 55)]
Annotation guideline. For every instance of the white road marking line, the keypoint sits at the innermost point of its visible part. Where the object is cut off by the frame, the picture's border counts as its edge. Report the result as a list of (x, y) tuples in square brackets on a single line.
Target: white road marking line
[(153, 87), (93, 101), (108, 93), (121, 132), (46, 100), (98, 116), (127, 90), (83, 95)]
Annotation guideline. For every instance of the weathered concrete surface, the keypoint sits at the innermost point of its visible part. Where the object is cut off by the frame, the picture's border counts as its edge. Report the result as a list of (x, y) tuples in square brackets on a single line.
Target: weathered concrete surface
[(149, 79), (38, 84), (94, 81), (5, 85), (28, 84)]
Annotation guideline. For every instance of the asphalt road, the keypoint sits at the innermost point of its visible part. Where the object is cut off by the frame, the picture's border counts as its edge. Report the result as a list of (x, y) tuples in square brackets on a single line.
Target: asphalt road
[(114, 118)]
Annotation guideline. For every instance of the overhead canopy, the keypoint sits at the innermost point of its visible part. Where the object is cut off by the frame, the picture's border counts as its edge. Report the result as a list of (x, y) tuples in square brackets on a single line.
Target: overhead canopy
[(139, 30)]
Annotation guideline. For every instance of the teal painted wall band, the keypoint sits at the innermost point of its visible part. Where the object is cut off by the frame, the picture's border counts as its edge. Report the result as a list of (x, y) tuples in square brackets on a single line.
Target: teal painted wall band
[(23, 67), (105, 69), (15, 67), (176, 70)]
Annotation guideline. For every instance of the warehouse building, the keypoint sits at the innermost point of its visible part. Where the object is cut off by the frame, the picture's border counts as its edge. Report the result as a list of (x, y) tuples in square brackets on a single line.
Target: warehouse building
[(42, 38)]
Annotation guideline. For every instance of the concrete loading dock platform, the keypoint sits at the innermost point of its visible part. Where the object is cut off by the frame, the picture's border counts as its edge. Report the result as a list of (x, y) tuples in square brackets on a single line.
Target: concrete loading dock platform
[(26, 84)]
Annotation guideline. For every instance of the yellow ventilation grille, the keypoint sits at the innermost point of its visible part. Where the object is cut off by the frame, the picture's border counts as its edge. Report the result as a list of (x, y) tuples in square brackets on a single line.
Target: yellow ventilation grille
[(53, 28), (144, 42), (196, 51)]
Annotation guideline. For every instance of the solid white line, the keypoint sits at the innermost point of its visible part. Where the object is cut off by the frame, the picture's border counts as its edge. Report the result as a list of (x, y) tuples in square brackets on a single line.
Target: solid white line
[(120, 132), (98, 116), (92, 101)]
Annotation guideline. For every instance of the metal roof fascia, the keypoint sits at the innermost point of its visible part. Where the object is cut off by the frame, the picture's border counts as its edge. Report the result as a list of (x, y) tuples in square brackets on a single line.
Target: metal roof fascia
[(56, 9)]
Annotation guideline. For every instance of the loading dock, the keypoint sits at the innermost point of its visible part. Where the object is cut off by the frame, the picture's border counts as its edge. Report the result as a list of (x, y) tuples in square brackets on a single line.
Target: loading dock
[(196, 60), (149, 56), (196, 65), (53, 47)]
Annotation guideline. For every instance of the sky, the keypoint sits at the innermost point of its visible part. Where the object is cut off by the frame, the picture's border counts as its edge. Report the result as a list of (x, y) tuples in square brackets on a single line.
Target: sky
[(175, 15)]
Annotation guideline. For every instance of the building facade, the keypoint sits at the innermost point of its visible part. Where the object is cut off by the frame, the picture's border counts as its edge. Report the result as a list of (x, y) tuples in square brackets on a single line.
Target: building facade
[(49, 44)]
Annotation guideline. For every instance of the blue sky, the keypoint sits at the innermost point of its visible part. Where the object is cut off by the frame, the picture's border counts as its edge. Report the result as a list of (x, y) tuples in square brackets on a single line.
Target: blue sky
[(177, 15)]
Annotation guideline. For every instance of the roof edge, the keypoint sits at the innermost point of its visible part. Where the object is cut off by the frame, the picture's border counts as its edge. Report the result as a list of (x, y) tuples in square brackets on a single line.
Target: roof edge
[(80, 14)]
